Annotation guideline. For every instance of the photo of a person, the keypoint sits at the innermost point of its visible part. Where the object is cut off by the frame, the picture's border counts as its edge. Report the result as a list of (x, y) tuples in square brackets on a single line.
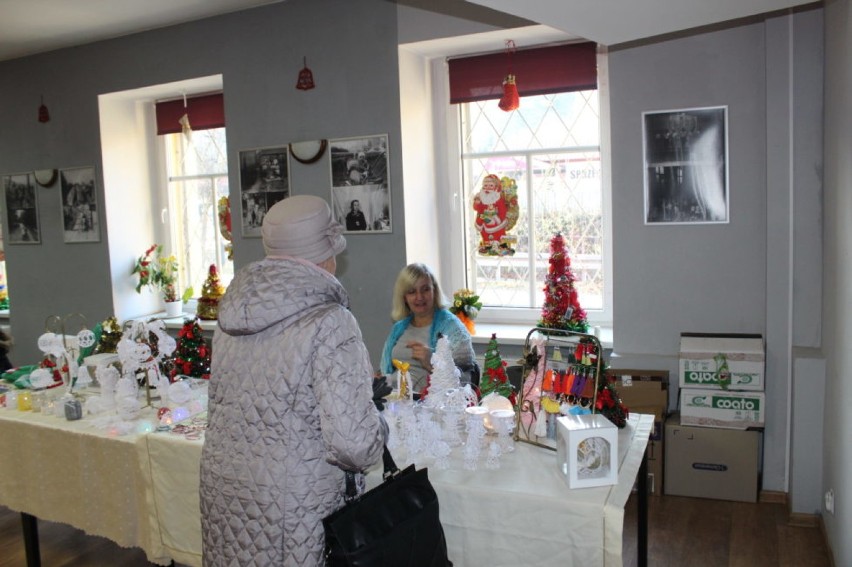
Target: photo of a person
[(360, 189), (21, 209), (359, 161), (355, 218), (264, 180), (79, 205), (362, 209)]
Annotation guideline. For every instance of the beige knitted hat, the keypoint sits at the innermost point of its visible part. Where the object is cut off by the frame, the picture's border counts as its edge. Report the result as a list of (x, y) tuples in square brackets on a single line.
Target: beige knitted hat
[(302, 226)]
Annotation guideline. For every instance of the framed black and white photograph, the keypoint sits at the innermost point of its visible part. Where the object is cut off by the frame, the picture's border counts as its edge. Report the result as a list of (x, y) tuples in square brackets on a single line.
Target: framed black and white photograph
[(360, 192), (80, 221), (21, 209), (686, 166), (264, 180)]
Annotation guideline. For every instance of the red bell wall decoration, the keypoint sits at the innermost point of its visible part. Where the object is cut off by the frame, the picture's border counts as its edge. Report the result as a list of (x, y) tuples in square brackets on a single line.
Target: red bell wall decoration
[(306, 78), (43, 114), (510, 100)]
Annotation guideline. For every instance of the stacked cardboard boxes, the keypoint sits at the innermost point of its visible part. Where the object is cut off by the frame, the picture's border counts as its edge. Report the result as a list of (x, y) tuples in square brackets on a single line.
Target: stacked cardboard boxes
[(721, 380), (647, 391), (713, 445)]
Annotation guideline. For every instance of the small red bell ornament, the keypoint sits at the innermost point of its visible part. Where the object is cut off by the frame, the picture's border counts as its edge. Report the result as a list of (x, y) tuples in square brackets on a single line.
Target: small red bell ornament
[(306, 78), (43, 113), (510, 100)]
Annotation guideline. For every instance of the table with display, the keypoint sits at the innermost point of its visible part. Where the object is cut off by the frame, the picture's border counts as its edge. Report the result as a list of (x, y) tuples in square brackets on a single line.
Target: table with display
[(141, 490), (70, 472)]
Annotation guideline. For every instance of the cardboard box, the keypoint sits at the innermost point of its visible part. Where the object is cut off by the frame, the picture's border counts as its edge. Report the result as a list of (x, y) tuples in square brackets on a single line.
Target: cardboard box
[(711, 463), (647, 391), (735, 362), (587, 450), (717, 408), (641, 388)]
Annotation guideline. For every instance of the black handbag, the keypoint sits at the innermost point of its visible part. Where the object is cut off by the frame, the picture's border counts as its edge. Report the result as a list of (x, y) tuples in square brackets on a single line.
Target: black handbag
[(394, 524)]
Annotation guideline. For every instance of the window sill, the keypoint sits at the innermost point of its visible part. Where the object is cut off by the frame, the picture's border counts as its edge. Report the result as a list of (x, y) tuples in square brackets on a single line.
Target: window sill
[(516, 333), (177, 322)]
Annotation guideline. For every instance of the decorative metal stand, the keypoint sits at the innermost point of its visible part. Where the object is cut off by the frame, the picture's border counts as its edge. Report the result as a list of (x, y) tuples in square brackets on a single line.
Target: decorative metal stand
[(530, 396), (60, 326)]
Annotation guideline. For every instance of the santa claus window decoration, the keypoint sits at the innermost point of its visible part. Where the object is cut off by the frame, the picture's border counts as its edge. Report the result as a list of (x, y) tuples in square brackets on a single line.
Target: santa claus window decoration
[(496, 206)]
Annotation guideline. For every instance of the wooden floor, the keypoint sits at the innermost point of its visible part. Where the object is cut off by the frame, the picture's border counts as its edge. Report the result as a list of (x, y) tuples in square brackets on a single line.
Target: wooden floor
[(682, 532)]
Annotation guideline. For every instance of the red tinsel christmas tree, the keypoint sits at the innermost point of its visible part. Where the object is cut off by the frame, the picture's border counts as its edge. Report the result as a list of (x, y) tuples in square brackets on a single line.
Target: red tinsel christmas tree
[(561, 309), (192, 355)]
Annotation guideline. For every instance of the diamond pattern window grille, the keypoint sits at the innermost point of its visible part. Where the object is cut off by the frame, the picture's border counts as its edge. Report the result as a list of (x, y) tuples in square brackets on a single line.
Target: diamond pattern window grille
[(551, 147), (197, 171)]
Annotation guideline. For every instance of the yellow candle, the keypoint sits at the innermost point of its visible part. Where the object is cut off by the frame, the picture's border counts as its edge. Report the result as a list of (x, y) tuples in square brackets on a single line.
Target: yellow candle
[(25, 400)]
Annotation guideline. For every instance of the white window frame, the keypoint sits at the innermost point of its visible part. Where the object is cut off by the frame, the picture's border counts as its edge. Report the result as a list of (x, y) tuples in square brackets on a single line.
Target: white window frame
[(453, 261), (167, 221)]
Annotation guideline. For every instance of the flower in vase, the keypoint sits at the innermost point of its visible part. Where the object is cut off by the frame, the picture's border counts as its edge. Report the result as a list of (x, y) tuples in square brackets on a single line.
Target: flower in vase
[(158, 272), (466, 307)]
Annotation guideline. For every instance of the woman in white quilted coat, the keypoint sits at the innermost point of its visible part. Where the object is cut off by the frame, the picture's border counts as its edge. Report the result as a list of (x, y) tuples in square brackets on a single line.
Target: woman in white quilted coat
[(290, 398)]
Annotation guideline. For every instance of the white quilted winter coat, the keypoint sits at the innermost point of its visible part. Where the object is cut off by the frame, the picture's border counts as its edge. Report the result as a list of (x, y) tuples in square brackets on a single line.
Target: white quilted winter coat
[(290, 407)]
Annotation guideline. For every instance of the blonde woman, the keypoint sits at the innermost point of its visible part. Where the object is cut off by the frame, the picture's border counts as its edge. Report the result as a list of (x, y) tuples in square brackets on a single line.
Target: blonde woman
[(420, 312)]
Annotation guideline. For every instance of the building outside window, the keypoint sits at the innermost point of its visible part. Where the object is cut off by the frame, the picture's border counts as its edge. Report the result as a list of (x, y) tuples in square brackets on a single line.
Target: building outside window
[(197, 171), (551, 147)]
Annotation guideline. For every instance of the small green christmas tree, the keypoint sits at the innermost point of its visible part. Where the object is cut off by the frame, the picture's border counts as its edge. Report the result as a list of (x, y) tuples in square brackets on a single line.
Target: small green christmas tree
[(107, 335), (494, 378), (192, 355), (561, 309)]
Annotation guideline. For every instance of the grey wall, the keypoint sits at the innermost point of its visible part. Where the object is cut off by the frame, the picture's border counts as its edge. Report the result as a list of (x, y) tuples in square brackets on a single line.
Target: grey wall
[(738, 277), (259, 52), (837, 312)]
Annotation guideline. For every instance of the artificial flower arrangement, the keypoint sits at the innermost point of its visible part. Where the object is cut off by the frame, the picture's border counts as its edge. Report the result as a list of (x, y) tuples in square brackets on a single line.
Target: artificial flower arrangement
[(157, 271), (466, 307), (608, 402)]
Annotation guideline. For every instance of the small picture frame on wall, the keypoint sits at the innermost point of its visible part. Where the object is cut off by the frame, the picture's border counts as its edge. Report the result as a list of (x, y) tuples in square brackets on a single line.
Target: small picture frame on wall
[(360, 192), (80, 221), (264, 180), (21, 209), (686, 166)]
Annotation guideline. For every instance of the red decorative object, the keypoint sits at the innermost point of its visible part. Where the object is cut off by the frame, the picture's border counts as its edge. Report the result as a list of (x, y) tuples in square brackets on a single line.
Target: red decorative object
[(510, 100), (306, 78), (192, 356), (561, 309), (496, 206), (609, 403), (43, 114)]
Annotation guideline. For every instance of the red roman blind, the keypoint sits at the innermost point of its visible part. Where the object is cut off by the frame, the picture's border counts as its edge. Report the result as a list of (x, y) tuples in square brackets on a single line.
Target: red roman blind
[(206, 111), (541, 70)]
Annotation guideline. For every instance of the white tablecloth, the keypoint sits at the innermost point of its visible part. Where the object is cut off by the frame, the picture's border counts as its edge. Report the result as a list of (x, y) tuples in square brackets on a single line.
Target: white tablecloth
[(524, 513), (71, 472), (141, 490)]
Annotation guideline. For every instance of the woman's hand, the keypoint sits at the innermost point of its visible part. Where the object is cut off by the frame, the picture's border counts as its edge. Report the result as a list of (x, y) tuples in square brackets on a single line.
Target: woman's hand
[(421, 353)]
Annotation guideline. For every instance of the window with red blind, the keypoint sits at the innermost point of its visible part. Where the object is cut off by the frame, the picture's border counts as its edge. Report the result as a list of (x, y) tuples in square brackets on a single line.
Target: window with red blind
[(542, 70), (206, 111)]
